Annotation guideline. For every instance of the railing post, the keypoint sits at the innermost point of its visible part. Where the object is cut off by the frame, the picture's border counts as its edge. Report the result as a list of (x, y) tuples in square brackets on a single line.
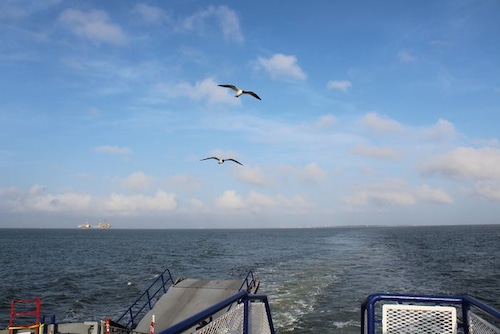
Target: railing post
[(152, 325), (246, 305)]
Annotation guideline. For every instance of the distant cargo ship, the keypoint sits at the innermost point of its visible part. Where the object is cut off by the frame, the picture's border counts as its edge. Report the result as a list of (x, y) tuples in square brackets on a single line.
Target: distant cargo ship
[(102, 225)]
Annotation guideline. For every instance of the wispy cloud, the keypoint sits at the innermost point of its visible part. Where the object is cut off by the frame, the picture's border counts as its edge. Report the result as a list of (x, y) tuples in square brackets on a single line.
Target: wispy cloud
[(465, 163), (406, 57), (38, 199), (253, 175), (342, 85), (94, 25), (223, 16), (489, 189), (204, 89), (130, 205), (442, 130), (256, 201), (115, 150), (151, 14), (376, 152), (281, 66), (395, 192), (137, 181), (229, 199), (380, 124), (428, 194)]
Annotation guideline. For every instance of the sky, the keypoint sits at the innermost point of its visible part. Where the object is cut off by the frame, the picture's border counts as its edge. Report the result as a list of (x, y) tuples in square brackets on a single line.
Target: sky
[(372, 113)]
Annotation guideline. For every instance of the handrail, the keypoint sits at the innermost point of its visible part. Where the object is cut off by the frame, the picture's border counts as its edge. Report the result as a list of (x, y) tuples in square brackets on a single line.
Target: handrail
[(149, 297), (253, 283), (250, 284), (368, 318), (240, 296), (485, 308)]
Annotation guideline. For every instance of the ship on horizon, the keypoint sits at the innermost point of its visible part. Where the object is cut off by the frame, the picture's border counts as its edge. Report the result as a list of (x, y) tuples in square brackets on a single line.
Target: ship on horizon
[(102, 225)]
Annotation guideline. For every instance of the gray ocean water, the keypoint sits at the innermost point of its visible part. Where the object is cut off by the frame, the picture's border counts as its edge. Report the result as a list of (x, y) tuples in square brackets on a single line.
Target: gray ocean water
[(315, 279)]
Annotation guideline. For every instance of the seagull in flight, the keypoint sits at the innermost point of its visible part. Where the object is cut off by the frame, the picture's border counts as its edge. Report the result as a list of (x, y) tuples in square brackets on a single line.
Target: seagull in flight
[(221, 161), (240, 92)]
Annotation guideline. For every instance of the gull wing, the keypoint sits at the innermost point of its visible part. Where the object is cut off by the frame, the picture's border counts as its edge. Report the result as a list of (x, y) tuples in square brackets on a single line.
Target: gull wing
[(210, 158), (233, 87), (249, 92), (234, 161)]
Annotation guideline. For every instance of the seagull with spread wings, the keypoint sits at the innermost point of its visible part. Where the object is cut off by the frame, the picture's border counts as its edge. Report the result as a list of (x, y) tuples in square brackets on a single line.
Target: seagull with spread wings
[(221, 161), (240, 92)]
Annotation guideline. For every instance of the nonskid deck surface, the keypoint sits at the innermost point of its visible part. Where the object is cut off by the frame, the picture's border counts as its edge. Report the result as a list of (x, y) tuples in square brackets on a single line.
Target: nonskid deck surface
[(186, 298)]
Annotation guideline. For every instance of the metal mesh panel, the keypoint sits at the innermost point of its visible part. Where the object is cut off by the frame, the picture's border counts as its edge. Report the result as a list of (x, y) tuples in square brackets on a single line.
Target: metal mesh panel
[(232, 321), (478, 325), (412, 319)]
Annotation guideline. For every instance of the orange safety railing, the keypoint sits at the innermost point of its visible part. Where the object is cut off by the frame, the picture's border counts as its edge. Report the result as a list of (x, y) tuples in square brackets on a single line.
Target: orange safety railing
[(27, 315)]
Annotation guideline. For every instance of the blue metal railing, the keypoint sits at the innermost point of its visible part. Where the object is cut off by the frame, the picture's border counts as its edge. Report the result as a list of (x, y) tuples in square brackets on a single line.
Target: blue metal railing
[(146, 299), (369, 319), (241, 297), (249, 282)]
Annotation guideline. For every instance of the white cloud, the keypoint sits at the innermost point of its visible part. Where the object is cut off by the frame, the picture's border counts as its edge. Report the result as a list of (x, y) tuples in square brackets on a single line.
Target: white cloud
[(465, 162), (36, 199), (197, 204), (433, 195), (130, 205), (309, 174), (442, 130), (94, 25), (225, 17), (184, 182), (252, 176), (281, 66), (376, 152), (137, 181), (229, 200), (342, 86), (383, 197), (312, 173), (255, 201), (115, 150), (205, 89), (325, 121), (150, 13), (406, 57), (379, 124), (395, 192), (489, 189)]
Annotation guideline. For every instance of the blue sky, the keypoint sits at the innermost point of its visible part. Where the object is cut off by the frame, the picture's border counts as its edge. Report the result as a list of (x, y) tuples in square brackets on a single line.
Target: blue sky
[(371, 113)]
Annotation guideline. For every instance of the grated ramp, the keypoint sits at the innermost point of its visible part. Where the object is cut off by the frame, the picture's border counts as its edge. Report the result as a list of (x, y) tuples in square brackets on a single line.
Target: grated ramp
[(186, 298)]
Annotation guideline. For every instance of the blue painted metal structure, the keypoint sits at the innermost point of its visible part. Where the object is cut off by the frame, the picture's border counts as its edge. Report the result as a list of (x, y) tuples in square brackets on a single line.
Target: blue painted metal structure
[(146, 299), (369, 319), (240, 297), (249, 282), (159, 287)]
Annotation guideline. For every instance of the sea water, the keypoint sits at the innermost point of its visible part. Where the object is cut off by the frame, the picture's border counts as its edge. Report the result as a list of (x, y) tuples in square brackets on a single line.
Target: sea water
[(315, 279)]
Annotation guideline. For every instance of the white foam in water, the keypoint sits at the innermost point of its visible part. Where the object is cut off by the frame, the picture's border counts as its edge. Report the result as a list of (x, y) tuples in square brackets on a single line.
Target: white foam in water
[(344, 324)]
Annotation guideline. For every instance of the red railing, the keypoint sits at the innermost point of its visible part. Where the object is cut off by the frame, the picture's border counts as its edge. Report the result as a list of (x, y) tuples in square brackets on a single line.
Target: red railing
[(27, 315)]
